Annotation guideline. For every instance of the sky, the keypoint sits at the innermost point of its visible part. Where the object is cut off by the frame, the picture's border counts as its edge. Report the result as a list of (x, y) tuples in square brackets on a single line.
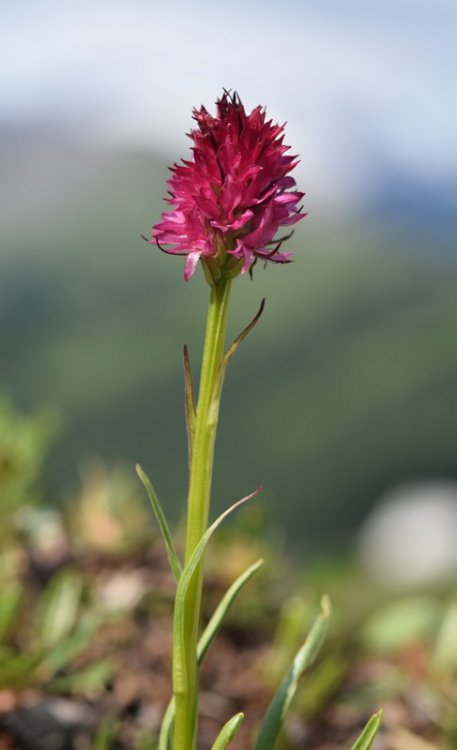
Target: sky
[(363, 85)]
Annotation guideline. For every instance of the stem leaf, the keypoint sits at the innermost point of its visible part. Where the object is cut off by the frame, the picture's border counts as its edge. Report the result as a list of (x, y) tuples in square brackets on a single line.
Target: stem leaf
[(221, 610), (275, 716), (167, 726), (228, 732), (232, 349), (173, 559), (179, 661), (366, 738)]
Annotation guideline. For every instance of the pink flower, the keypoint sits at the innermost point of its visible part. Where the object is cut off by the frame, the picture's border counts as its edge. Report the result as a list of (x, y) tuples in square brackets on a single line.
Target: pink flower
[(234, 194)]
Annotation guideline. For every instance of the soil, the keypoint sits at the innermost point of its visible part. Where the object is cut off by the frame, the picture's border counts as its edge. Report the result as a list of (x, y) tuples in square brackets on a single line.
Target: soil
[(133, 700)]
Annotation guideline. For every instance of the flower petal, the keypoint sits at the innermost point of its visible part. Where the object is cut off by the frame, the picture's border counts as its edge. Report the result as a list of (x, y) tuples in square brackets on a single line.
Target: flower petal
[(191, 264)]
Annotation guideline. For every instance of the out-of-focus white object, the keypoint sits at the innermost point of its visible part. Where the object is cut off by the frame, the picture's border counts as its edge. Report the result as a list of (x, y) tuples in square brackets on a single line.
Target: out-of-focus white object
[(409, 540)]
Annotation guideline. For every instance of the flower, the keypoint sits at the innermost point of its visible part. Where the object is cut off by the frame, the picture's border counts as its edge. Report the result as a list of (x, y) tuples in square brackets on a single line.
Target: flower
[(231, 198)]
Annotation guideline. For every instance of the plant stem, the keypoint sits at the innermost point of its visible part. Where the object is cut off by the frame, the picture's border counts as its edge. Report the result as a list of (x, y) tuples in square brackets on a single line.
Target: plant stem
[(200, 479)]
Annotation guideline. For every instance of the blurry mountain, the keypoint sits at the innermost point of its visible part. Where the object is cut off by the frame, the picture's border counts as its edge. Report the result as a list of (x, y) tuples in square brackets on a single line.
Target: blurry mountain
[(44, 170), (419, 202), (425, 203), (348, 384)]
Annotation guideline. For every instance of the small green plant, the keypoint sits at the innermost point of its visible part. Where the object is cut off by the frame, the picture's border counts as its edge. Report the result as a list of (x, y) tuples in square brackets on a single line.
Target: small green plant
[(40, 651), (229, 201), (39, 640), (24, 443)]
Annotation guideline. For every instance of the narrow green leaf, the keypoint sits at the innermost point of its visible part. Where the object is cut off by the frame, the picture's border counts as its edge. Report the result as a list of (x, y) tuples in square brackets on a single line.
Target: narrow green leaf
[(173, 559), (58, 608), (146, 741), (106, 734), (189, 399), (167, 726), (444, 658), (9, 605), (179, 662), (368, 734), (228, 732), (274, 718), (205, 642), (87, 682), (222, 608), (62, 653), (232, 349), (18, 669)]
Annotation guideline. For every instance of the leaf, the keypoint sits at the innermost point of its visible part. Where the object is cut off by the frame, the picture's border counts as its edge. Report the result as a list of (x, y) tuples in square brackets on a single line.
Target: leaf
[(189, 398), (63, 653), (401, 623), (228, 732), (327, 677), (205, 641), (275, 716), (444, 658), (221, 610), (146, 741), (106, 734), (173, 559), (86, 682), (368, 734), (17, 669), (179, 675), (167, 726), (9, 605), (58, 608), (232, 349)]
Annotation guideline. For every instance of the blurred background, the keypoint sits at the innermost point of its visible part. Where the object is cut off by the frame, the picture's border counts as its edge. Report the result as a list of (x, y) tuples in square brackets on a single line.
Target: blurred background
[(347, 390)]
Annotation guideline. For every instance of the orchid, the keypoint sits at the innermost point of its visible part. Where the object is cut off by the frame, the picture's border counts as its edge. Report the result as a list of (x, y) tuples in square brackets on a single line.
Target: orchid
[(229, 201)]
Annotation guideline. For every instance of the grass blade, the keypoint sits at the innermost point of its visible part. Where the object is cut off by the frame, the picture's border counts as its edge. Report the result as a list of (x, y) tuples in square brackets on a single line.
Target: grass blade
[(179, 674), (365, 740), (274, 718), (173, 559), (228, 732)]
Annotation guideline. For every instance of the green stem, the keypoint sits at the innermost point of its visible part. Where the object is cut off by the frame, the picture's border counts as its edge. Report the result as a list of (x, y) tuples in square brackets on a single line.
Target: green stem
[(200, 479)]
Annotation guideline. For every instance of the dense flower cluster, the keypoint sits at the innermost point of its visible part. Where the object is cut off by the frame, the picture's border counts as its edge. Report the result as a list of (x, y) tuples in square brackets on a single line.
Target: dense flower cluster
[(233, 196)]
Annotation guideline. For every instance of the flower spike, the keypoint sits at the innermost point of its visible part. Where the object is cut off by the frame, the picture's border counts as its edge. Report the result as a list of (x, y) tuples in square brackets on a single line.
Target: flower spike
[(230, 199)]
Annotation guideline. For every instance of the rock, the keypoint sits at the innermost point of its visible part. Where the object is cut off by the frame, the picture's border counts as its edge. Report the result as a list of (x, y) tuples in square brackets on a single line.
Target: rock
[(410, 538)]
